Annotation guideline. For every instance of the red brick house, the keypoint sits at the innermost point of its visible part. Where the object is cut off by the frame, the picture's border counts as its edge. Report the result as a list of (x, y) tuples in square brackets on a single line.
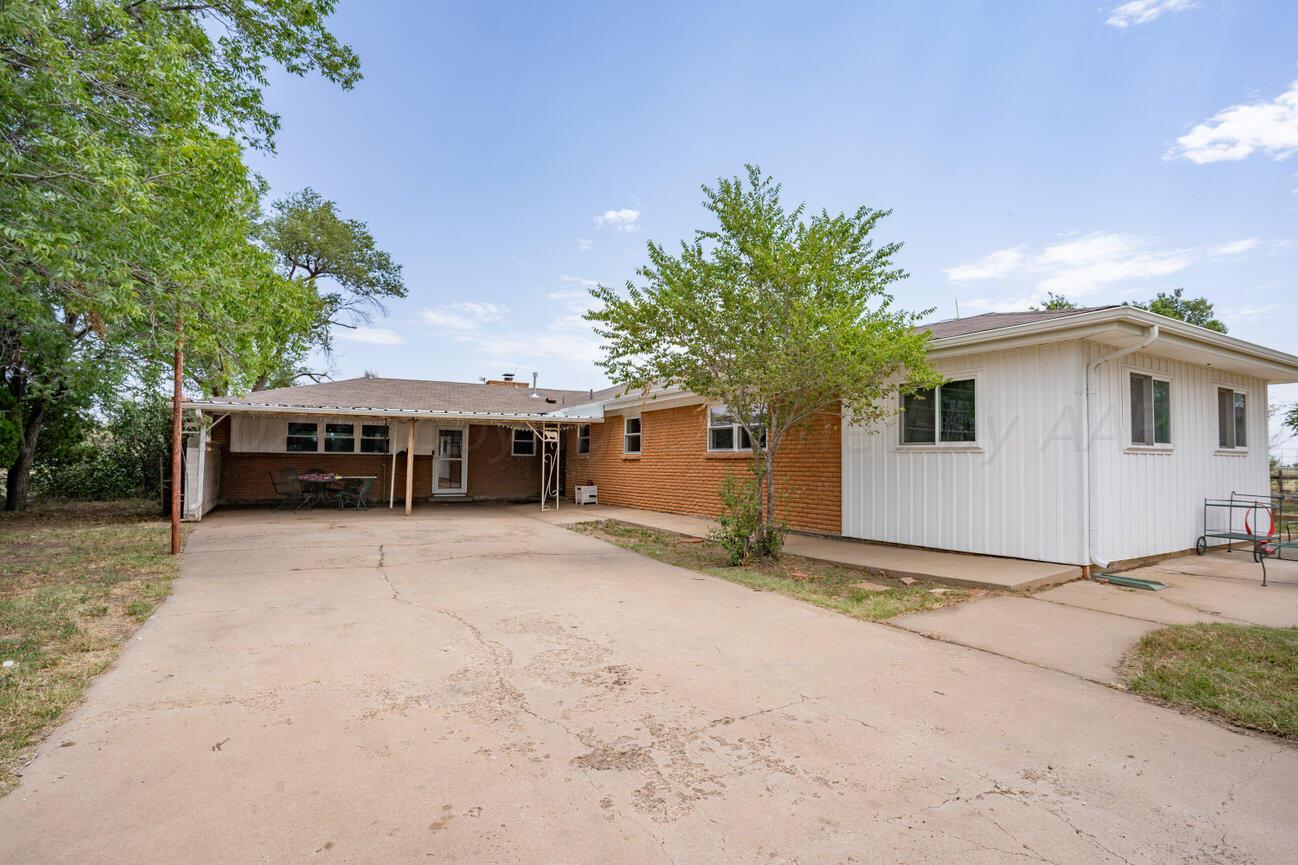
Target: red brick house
[(1082, 436)]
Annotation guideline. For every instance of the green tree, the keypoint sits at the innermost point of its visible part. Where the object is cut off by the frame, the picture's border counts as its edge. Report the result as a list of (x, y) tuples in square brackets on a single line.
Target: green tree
[(340, 261), (779, 315), (1194, 310), (124, 200), (1053, 301)]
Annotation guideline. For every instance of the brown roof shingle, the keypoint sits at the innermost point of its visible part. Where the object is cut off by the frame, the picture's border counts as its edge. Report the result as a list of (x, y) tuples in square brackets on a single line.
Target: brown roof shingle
[(997, 320), (414, 395)]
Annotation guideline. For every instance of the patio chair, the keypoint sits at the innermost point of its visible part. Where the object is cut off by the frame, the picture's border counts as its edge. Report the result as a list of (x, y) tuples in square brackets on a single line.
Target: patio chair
[(286, 487), (354, 492)]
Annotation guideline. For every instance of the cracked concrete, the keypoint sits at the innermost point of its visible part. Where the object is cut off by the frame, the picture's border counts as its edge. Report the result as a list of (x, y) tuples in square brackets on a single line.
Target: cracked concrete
[(473, 685)]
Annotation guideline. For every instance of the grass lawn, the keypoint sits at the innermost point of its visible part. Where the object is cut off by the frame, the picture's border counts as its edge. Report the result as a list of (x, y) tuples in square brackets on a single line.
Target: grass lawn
[(1245, 674), (76, 581), (847, 590)]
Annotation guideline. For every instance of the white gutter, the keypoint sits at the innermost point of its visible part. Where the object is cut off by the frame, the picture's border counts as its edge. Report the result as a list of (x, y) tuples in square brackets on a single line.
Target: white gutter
[(340, 411), (1091, 500)]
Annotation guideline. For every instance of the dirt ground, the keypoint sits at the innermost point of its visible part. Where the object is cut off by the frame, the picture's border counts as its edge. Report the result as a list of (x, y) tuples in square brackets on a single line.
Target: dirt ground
[(475, 685)]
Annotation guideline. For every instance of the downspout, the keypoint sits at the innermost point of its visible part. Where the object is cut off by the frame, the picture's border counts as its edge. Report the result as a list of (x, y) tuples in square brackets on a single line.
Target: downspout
[(1092, 505)]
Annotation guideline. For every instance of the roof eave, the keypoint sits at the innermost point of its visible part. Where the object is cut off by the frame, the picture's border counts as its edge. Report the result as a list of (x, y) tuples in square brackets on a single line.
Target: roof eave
[(397, 413), (1284, 366)]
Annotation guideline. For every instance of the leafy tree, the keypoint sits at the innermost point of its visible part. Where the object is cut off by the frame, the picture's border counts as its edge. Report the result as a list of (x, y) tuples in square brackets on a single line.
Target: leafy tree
[(1194, 310), (339, 259), (124, 201), (778, 316), (1053, 301)]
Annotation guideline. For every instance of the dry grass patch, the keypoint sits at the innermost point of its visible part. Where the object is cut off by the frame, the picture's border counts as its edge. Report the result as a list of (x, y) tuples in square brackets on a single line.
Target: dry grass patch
[(76, 581), (1244, 674), (848, 590)]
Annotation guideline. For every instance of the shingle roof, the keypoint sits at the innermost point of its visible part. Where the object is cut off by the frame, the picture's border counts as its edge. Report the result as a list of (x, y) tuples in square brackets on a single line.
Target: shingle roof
[(997, 320), (413, 394)]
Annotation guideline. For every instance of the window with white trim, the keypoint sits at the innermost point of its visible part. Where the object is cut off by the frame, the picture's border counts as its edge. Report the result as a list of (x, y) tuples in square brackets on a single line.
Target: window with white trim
[(583, 438), (340, 438), (523, 443), (726, 433), (631, 435), (1151, 410), (374, 438), (303, 437), (1232, 419), (946, 414)]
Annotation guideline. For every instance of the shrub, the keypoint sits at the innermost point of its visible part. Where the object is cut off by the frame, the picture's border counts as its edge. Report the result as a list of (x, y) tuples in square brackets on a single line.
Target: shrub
[(740, 530), (118, 458)]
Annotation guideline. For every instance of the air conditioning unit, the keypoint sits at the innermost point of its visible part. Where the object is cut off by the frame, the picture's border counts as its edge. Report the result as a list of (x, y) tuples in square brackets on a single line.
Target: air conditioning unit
[(588, 495)]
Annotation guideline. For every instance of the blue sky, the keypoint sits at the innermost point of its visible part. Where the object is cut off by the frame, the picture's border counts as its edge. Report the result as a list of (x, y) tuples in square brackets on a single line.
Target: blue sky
[(510, 155)]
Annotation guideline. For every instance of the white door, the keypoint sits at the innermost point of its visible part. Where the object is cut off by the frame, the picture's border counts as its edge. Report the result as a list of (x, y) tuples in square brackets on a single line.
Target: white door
[(450, 475)]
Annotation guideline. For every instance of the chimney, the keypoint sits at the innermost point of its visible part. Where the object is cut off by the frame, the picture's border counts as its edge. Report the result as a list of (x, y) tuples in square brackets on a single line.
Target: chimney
[(534, 393)]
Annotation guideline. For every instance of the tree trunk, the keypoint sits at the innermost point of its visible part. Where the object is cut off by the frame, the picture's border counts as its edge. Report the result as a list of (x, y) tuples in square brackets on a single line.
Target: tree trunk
[(21, 471)]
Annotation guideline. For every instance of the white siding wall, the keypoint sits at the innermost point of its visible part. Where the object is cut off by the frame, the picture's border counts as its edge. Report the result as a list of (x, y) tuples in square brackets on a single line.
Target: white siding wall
[(1018, 494), (261, 433), (1152, 503)]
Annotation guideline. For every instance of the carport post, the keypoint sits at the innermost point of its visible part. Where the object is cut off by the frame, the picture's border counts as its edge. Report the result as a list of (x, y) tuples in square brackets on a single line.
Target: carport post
[(410, 465)]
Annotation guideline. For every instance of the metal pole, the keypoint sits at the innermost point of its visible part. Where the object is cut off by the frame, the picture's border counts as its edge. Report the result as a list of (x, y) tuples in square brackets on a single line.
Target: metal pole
[(392, 481), (176, 432)]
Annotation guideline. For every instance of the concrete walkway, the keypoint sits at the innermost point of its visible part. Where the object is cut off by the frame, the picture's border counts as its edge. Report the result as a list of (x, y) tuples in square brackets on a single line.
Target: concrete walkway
[(471, 685), (957, 569), (1086, 628)]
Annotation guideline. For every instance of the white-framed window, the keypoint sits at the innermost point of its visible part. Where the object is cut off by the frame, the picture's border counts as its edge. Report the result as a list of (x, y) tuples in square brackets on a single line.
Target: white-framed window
[(631, 435), (725, 433), (944, 415), (340, 438), (583, 438), (374, 438), (1232, 418), (1151, 409), (302, 437), (523, 443)]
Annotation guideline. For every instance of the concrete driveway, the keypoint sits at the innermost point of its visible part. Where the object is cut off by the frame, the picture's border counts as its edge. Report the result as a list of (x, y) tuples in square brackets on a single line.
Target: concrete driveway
[(475, 685)]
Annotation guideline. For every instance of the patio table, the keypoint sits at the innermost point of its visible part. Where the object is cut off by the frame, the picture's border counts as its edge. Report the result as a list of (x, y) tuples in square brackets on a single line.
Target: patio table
[(315, 488)]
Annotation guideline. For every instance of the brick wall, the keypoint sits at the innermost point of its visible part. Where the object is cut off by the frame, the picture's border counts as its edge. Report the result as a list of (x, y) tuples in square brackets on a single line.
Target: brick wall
[(676, 473), (493, 472)]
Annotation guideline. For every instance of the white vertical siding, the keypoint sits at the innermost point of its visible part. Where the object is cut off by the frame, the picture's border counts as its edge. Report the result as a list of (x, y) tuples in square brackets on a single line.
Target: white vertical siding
[(1152, 502), (257, 433), (267, 434), (1017, 494)]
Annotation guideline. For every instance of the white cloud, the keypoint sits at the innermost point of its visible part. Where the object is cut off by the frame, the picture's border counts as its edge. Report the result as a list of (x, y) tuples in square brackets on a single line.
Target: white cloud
[(1242, 130), (1252, 311), (625, 219), (1085, 265), (463, 315), (1144, 11), (997, 264), (585, 244), (1236, 247), (371, 335)]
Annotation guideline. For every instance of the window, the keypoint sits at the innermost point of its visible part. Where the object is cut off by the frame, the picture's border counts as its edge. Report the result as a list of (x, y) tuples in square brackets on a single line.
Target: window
[(1151, 410), (374, 438), (583, 439), (1232, 418), (946, 414), (524, 443), (725, 433), (340, 438), (302, 437), (631, 435)]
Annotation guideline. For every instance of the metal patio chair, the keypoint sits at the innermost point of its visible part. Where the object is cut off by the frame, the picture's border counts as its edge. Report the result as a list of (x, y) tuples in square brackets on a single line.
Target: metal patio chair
[(354, 492), (287, 487)]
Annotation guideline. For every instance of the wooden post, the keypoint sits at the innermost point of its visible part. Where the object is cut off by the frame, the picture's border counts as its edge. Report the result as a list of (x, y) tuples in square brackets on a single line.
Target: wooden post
[(177, 433), (410, 466)]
